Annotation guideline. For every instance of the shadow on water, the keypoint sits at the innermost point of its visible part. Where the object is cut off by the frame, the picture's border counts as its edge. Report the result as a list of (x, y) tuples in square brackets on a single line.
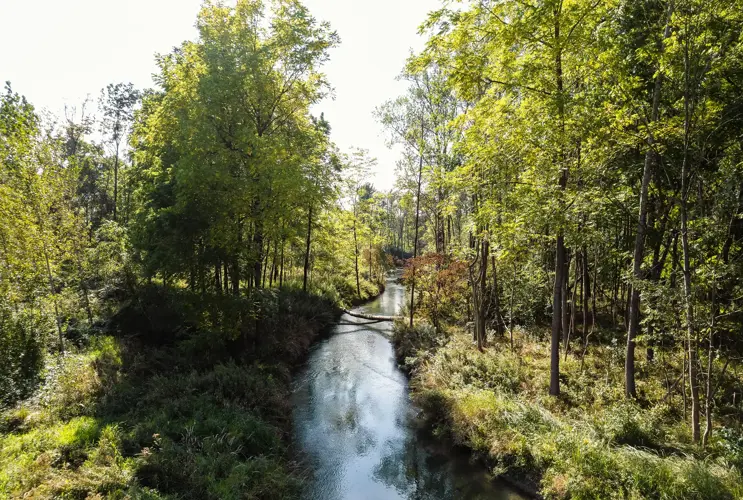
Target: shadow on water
[(355, 422)]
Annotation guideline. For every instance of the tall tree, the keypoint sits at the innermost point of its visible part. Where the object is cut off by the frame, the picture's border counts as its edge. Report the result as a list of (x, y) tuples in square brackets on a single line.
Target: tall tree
[(117, 104)]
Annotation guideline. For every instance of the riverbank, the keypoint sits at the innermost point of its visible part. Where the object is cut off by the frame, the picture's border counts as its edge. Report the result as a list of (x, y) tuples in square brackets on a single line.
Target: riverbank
[(589, 443), (186, 396)]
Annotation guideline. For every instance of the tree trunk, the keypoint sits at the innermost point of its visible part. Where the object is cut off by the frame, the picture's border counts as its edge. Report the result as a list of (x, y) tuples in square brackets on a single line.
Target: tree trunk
[(499, 324), (709, 396), (272, 275), (586, 286), (557, 317), (688, 298), (236, 275), (265, 264), (510, 306), (308, 243), (356, 255), (281, 269), (690, 332), (417, 220), (60, 336), (564, 291), (116, 179), (257, 246), (639, 250), (557, 309), (480, 323)]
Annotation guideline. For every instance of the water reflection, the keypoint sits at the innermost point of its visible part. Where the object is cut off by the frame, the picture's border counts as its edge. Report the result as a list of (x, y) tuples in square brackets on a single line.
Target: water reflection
[(354, 420)]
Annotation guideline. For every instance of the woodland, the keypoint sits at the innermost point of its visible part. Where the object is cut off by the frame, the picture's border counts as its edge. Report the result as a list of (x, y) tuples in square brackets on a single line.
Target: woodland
[(567, 212)]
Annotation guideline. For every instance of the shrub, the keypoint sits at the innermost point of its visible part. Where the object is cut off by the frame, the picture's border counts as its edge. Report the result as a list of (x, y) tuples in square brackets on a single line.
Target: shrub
[(21, 354)]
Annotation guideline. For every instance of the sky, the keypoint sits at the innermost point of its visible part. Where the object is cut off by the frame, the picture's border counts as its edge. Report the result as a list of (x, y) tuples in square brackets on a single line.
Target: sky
[(57, 52)]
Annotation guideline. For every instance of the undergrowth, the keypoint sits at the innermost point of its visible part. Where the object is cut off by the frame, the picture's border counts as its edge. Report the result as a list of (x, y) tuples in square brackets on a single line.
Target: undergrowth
[(187, 397), (589, 443)]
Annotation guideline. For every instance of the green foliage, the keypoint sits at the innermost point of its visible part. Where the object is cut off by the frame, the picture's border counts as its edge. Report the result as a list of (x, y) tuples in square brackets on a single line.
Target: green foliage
[(193, 413), (575, 447), (22, 356)]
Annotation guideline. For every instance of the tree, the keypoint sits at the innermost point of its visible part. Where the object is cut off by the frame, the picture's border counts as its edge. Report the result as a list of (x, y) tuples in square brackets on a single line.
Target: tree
[(117, 104)]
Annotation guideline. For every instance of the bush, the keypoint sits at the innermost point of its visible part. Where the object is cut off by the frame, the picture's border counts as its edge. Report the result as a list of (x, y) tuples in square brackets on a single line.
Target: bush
[(21, 355)]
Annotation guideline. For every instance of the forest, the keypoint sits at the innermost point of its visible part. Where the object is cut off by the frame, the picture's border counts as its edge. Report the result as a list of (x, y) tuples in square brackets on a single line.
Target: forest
[(567, 217)]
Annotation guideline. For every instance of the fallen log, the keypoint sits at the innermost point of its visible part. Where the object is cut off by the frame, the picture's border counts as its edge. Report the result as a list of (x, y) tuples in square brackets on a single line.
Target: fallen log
[(351, 323), (371, 317)]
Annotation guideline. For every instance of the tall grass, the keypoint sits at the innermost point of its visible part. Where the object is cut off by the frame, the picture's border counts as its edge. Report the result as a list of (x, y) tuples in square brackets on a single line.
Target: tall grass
[(188, 398), (589, 443)]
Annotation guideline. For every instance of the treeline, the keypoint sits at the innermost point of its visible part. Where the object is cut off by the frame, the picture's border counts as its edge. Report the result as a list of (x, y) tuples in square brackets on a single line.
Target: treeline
[(219, 181), (579, 165)]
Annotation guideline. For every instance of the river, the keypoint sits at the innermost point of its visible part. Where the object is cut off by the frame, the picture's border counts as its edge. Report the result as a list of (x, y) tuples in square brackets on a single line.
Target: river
[(355, 423)]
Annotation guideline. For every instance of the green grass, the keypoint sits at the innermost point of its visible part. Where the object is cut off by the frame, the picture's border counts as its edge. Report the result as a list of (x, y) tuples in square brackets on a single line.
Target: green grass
[(189, 398), (588, 443)]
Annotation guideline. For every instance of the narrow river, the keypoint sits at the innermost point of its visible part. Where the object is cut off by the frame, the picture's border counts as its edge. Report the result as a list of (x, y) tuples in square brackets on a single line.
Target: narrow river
[(355, 422)]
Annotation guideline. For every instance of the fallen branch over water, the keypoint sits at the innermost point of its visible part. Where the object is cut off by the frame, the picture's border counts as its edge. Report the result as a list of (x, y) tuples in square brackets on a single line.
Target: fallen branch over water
[(351, 323), (372, 317)]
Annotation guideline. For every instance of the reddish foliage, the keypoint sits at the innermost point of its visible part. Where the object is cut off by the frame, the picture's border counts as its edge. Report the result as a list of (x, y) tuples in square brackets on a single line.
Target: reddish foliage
[(441, 286)]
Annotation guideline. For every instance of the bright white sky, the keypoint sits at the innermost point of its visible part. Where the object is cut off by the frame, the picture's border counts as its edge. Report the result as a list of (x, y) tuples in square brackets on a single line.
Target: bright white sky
[(56, 52)]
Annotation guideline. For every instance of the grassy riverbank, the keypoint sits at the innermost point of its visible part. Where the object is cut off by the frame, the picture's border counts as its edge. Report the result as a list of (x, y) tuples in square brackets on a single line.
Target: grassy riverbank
[(588, 443), (186, 396)]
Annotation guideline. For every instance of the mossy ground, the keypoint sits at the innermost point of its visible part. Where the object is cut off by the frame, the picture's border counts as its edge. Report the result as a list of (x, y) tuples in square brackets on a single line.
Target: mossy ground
[(591, 442)]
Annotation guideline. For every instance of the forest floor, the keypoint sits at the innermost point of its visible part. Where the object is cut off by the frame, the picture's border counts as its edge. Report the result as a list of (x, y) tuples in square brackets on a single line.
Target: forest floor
[(591, 442), (181, 398)]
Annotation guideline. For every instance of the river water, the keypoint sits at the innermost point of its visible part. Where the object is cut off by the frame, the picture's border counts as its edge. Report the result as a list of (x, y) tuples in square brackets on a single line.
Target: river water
[(354, 420)]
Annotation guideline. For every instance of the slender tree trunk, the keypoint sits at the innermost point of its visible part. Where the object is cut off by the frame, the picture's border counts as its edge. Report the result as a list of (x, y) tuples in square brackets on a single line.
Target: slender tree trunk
[(510, 306), (688, 298), (481, 331), (265, 264), (573, 306), (83, 286), (57, 317), (236, 263), (709, 396), (258, 248), (564, 293), (116, 179), (281, 270), (586, 286), (356, 255), (499, 324), (417, 220), (307, 246), (690, 331), (633, 327), (557, 317), (560, 257), (272, 275)]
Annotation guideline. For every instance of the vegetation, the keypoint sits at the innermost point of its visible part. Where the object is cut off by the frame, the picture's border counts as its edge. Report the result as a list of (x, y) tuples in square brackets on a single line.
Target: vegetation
[(157, 288), (568, 208), (576, 171), (170, 412)]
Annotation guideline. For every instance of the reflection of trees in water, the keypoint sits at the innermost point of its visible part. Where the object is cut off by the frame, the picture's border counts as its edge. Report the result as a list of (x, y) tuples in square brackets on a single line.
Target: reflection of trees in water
[(417, 474), (407, 467)]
